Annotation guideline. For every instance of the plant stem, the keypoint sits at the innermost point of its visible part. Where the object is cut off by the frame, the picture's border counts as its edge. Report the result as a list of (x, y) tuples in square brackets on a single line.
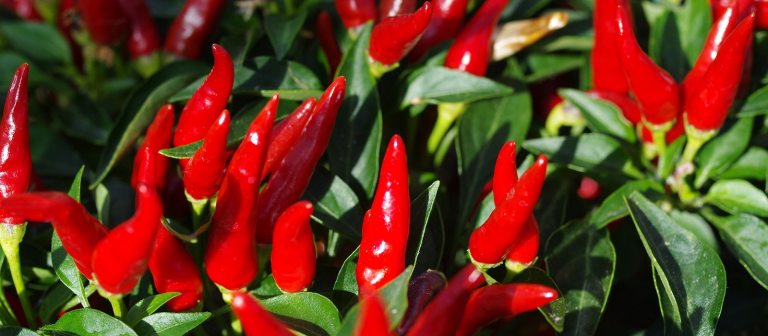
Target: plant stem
[(446, 115), (10, 238), (118, 306)]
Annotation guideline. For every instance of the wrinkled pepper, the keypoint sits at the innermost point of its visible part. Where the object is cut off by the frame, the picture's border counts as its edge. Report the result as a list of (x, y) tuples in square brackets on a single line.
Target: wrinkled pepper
[(255, 320), (204, 171), (499, 301), (293, 249), (191, 28)]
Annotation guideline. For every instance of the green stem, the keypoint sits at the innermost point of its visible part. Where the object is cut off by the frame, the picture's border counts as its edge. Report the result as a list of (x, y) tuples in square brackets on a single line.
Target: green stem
[(198, 211), (118, 306), (10, 238), (692, 148), (6, 313), (446, 115), (660, 140)]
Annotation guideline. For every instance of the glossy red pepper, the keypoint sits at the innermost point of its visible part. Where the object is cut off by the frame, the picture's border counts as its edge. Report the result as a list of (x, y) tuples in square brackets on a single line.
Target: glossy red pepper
[(394, 37), (291, 177), (355, 13), (499, 301), (79, 230), (293, 249), (286, 133), (25, 9), (327, 38), (105, 20), (121, 258), (761, 14), (607, 70), (443, 315), (255, 320), (472, 48), (144, 39), (230, 240), (655, 89), (192, 26), (709, 101), (174, 270), (159, 134), (372, 320), (16, 160), (489, 243), (204, 171), (421, 290), (386, 224), (447, 18), (207, 102), (389, 8)]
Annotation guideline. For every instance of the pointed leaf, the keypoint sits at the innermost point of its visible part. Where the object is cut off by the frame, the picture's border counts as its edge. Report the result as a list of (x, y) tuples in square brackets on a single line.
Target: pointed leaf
[(723, 150), (421, 210), (336, 204), (751, 165), (738, 196), (586, 153), (146, 307), (170, 324), (614, 207), (435, 85), (90, 322), (306, 312), (602, 116), (745, 236)]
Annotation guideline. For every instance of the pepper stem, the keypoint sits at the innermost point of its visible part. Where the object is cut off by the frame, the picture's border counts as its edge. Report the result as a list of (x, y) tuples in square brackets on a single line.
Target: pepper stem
[(118, 306), (10, 238), (447, 113), (660, 141), (378, 69), (692, 148)]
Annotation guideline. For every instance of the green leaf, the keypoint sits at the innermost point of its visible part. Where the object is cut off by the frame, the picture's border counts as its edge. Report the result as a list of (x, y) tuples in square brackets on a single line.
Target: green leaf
[(755, 105), (38, 41), (56, 297), (356, 140), (336, 204), (745, 236), (665, 45), (694, 18), (720, 152), (62, 262), (547, 65), (483, 128), (751, 165), (696, 225), (16, 331), (602, 116), (146, 307), (140, 109), (306, 312), (738, 196), (421, 210), (691, 303), (591, 152), (435, 85), (582, 261), (282, 30), (170, 324), (87, 322), (614, 207), (394, 295), (346, 280), (668, 161)]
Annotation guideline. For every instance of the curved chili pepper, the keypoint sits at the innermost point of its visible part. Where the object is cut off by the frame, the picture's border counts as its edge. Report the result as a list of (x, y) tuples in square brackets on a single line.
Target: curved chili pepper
[(607, 70), (192, 26), (105, 20), (207, 102), (231, 242), (255, 320), (388, 8), (708, 103), (144, 38), (471, 50), (495, 302), (285, 134), (121, 258), (372, 320), (386, 224), (327, 39), (204, 171), (655, 89), (447, 18), (15, 161), (24, 9), (489, 243), (355, 13), (293, 249), (443, 315), (292, 175), (394, 37), (174, 270), (421, 290), (504, 173), (79, 230), (159, 134)]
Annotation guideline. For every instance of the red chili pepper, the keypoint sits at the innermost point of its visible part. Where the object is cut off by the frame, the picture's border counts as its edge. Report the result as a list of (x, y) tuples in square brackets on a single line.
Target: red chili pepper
[(761, 15), (292, 175), (655, 89), (285, 134), (255, 320), (105, 20), (443, 315), (293, 249), (421, 290), (489, 243), (589, 189), (207, 102), (144, 38), (24, 9), (204, 171), (447, 18), (16, 161), (394, 37), (230, 260), (386, 224), (327, 39), (79, 230), (373, 320), (389, 8), (121, 258), (159, 134), (471, 50), (67, 22), (504, 173), (174, 270), (708, 102), (355, 13), (607, 70), (192, 26), (495, 302)]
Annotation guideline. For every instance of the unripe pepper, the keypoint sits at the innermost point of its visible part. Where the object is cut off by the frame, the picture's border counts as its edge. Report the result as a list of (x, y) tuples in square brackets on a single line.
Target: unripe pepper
[(286, 133), (291, 177), (389, 8), (386, 224), (255, 320), (607, 70), (121, 258), (159, 135), (355, 13), (16, 160), (471, 50), (192, 26), (327, 39), (293, 249), (447, 18), (105, 20), (372, 320), (202, 176), (174, 270), (394, 37), (499, 301), (230, 258)]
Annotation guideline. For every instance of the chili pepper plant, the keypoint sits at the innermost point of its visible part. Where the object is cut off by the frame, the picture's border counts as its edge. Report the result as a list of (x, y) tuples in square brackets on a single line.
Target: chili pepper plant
[(361, 167)]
